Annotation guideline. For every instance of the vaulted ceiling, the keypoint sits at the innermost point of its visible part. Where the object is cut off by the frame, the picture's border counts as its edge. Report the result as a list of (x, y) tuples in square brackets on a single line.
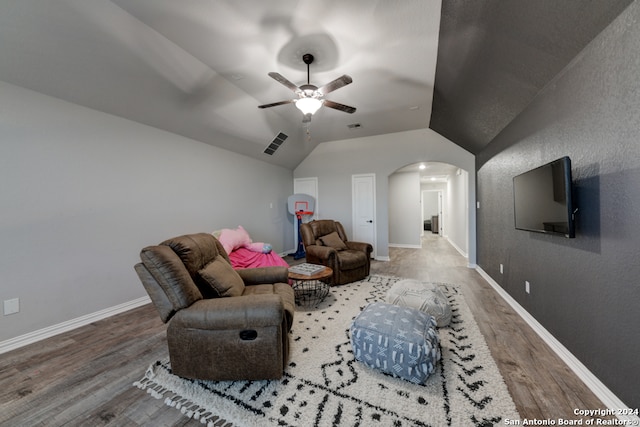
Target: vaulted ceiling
[(198, 68), (494, 56)]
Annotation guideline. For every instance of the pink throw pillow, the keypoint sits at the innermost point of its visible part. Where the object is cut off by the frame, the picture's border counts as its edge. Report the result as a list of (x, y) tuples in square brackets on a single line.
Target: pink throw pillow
[(234, 239)]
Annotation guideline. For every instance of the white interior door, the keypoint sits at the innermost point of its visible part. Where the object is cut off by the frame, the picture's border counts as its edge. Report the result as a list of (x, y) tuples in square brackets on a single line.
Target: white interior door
[(363, 196)]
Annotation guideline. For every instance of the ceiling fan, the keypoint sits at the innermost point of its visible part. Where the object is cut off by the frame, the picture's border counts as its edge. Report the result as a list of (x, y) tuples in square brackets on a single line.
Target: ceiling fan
[(310, 97)]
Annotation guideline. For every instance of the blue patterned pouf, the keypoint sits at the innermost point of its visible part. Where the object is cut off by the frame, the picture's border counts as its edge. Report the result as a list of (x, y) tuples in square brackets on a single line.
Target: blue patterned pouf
[(401, 341)]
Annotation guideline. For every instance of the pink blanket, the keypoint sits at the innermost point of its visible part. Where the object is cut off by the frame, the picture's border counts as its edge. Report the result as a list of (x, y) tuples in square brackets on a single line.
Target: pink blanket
[(244, 258)]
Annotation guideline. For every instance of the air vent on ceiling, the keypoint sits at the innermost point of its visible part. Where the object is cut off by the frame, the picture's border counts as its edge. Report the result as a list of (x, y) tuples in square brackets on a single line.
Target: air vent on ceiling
[(276, 143), (354, 126)]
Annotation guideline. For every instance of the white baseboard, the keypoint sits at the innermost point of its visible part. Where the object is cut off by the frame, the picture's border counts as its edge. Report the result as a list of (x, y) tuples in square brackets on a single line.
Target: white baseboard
[(595, 385), (31, 337), (285, 253), (401, 245), (463, 253)]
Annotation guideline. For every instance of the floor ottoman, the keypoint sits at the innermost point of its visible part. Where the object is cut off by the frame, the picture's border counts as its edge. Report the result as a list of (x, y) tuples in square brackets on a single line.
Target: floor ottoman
[(424, 296), (400, 341)]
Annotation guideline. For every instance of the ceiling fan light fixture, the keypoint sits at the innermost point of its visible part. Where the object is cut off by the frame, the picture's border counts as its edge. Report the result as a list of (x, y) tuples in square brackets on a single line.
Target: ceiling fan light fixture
[(308, 105)]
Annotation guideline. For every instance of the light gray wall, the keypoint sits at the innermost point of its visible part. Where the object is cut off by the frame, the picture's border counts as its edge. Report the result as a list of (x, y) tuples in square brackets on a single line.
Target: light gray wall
[(82, 192), (457, 220), (405, 226), (585, 291), (335, 162)]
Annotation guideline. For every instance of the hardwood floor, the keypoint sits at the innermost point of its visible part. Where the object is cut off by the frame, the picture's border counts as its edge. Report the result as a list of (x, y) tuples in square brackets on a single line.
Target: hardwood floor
[(84, 377)]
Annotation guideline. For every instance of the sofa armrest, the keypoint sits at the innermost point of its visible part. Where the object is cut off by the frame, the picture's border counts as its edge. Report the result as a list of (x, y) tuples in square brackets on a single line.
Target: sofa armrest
[(360, 246), (249, 311), (262, 275)]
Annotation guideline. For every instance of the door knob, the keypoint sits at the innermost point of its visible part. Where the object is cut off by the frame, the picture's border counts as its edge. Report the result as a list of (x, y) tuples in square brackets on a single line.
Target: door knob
[(370, 221)]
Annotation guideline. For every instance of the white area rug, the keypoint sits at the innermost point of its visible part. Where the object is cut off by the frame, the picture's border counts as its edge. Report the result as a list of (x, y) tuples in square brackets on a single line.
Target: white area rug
[(324, 385)]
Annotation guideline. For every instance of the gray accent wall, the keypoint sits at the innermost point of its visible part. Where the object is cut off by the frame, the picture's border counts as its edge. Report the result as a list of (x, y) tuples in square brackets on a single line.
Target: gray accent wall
[(585, 291), (83, 191)]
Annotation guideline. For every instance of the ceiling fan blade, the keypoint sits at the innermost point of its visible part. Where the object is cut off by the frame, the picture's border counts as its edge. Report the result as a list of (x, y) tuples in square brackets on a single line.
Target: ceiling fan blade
[(341, 107), (335, 84), (275, 104), (281, 79)]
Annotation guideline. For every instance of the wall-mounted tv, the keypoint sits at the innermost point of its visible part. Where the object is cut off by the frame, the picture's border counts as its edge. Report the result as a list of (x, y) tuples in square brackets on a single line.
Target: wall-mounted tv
[(543, 200)]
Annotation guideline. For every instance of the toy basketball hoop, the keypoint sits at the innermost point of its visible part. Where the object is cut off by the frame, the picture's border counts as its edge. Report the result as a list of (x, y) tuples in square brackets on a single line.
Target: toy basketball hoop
[(300, 205), (301, 208)]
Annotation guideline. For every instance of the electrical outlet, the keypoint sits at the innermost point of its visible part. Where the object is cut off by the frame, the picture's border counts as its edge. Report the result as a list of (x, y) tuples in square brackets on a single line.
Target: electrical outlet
[(11, 306), (527, 287), (501, 269)]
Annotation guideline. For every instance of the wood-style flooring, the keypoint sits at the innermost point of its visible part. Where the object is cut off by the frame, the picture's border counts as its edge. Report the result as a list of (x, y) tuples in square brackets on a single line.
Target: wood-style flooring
[(84, 377)]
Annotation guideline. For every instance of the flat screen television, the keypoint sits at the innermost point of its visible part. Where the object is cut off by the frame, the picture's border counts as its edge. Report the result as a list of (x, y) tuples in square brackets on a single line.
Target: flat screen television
[(543, 199)]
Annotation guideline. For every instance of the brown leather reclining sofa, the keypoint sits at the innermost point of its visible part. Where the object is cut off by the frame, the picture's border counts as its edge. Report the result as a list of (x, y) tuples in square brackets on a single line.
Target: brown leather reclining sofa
[(223, 324)]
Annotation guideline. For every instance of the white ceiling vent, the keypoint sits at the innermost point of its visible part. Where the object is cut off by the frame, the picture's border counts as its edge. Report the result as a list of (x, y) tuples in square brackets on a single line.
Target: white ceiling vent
[(276, 143)]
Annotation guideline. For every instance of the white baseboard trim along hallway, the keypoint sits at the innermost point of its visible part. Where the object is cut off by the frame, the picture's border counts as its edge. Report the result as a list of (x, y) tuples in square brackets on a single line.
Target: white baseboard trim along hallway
[(31, 337), (611, 401)]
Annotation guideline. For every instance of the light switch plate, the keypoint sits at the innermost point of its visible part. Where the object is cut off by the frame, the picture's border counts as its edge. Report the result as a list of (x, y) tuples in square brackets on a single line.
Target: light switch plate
[(11, 306)]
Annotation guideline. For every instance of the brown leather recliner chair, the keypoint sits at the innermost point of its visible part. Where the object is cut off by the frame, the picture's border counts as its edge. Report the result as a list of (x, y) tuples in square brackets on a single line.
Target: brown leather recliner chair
[(326, 243), (223, 324)]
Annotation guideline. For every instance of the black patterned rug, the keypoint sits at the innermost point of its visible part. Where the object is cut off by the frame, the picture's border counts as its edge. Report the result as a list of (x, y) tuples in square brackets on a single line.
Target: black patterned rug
[(324, 385)]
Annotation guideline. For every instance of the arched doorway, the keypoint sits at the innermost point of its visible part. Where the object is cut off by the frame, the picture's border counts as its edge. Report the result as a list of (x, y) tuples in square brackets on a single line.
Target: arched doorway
[(407, 188)]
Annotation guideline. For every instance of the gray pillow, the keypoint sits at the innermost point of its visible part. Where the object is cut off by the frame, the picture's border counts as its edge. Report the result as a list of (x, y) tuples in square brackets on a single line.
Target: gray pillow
[(221, 276), (424, 296)]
